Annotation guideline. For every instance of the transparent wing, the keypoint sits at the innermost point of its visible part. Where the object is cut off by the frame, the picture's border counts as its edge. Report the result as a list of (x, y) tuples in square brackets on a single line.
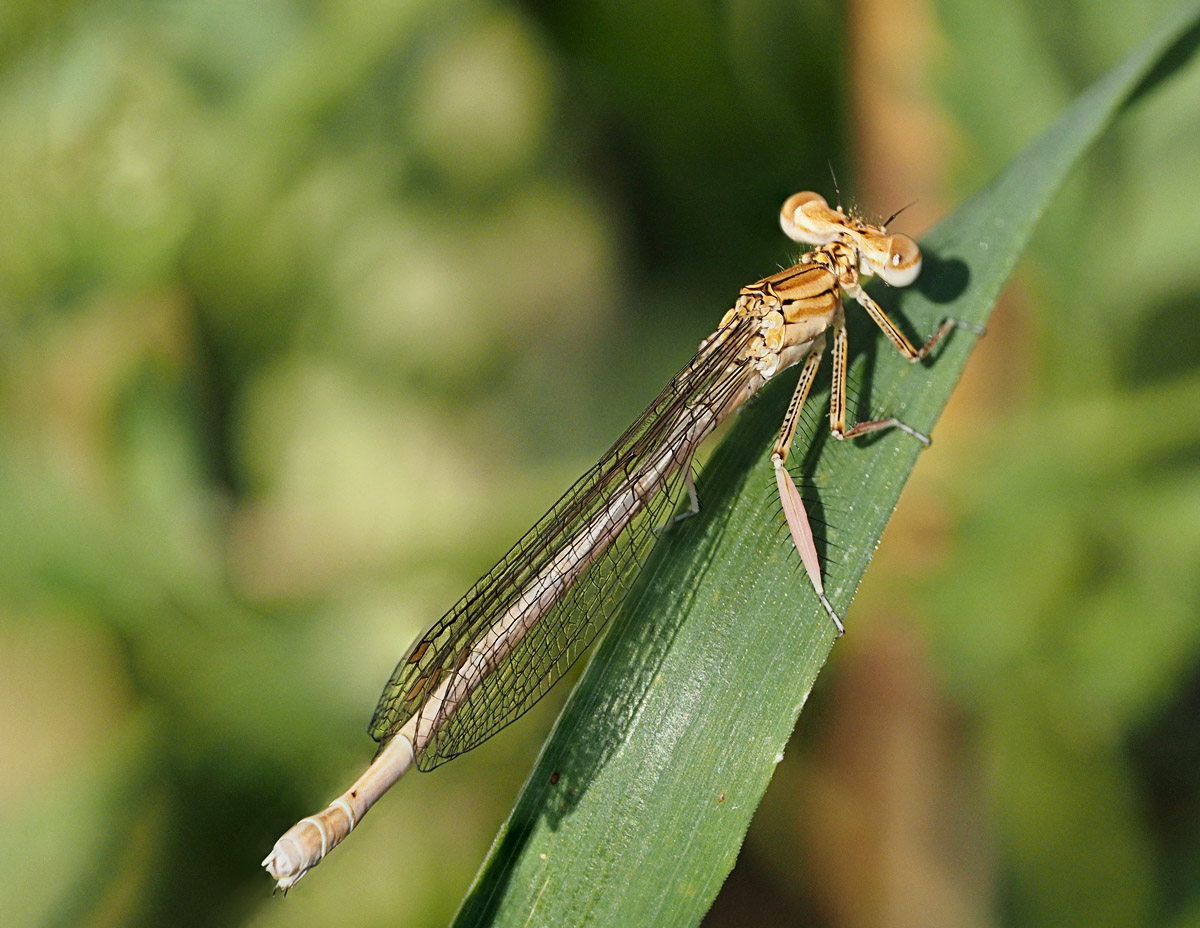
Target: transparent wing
[(556, 639)]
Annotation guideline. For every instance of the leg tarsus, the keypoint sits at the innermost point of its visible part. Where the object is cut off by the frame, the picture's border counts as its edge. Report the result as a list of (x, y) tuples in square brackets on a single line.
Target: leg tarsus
[(944, 327), (689, 481), (878, 425), (837, 622)]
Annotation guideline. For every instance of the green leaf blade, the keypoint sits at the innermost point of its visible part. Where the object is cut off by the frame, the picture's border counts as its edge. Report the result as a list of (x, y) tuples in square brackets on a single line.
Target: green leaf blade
[(637, 808)]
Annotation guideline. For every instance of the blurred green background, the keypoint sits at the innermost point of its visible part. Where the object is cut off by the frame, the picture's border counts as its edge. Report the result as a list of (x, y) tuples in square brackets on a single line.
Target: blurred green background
[(309, 309)]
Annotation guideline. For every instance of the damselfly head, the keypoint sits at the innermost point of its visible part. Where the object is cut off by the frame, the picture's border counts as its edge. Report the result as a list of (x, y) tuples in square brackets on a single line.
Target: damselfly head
[(807, 217), (895, 259)]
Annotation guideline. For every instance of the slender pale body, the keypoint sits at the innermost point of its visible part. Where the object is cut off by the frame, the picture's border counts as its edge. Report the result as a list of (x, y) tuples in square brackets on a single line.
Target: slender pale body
[(514, 633)]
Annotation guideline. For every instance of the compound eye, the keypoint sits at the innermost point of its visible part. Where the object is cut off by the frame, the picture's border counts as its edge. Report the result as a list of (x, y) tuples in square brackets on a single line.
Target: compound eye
[(798, 200), (903, 262), (806, 217)]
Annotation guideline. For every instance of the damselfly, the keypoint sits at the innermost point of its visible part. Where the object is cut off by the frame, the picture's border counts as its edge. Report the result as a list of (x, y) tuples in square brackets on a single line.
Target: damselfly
[(519, 628)]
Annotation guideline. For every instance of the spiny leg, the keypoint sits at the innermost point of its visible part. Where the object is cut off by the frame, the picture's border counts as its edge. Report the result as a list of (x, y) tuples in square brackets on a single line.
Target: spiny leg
[(896, 337), (837, 399), (789, 496), (791, 419)]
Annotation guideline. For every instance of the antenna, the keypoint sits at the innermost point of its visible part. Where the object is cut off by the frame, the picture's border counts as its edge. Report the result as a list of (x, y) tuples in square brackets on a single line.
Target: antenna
[(836, 189), (887, 222)]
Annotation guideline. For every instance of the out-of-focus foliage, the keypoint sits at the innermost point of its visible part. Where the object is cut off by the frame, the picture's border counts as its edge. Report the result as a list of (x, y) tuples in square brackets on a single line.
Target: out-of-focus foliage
[(308, 309), (1067, 618)]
